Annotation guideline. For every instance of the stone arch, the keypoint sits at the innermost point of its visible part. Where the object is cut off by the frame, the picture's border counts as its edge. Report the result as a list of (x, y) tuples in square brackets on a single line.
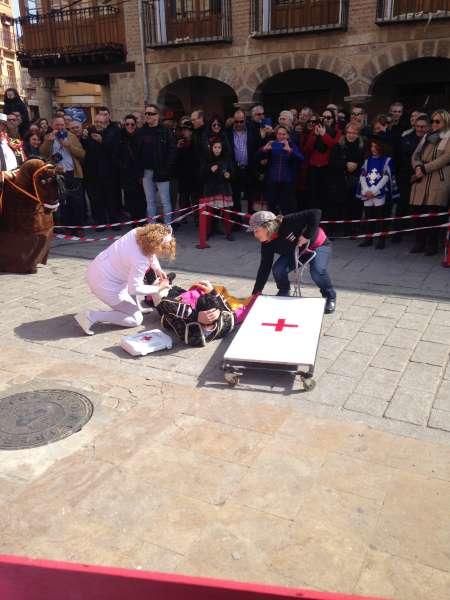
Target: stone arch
[(295, 60), (395, 54), (422, 83), (301, 86), (225, 74), (182, 95)]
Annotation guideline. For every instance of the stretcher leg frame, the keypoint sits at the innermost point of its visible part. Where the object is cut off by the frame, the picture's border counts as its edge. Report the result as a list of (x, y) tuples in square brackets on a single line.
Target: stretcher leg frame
[(279, 335)]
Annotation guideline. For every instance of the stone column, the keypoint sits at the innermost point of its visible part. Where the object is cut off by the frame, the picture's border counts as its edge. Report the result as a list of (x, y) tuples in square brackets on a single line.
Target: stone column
[(44, 97), (358, 99)]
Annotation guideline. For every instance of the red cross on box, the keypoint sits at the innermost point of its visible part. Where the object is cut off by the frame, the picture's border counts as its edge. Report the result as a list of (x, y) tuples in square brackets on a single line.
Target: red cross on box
[(279, 325)]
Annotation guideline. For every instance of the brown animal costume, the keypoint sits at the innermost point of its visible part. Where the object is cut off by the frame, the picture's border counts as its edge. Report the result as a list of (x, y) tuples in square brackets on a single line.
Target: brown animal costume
[(28, 199)]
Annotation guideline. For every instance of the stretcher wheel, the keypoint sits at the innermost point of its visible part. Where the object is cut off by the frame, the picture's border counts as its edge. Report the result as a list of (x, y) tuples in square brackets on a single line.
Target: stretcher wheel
[(232, 378), (308, 384)]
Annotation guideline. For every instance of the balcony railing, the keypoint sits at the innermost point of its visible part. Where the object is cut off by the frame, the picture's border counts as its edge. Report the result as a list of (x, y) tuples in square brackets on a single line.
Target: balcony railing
[(280, 17), (180, 22), (7, 39), (95, 33), (402, 11)]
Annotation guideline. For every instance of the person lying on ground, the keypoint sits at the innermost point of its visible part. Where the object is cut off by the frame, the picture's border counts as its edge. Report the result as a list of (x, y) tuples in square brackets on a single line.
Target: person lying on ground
[(200, 314)]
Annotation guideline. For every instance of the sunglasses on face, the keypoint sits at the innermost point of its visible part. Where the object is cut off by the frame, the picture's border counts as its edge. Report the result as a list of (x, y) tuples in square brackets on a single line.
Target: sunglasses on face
[(151, 114), (313, 122), (438, 121), (130, 124), (356, 114)]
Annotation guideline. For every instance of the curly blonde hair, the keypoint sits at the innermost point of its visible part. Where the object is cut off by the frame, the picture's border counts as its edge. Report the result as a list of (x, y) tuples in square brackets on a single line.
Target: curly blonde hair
[(150, 239)]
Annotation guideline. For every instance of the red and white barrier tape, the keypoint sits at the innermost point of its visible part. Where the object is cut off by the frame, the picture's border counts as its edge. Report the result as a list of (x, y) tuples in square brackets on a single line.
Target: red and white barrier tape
[(388, 233), (133, 222), (340, 221), (75, 238), (346, 237), (209, 214)]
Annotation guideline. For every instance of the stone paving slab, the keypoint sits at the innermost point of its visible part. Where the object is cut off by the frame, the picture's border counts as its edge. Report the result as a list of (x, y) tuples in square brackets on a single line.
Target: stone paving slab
[(344, 488)]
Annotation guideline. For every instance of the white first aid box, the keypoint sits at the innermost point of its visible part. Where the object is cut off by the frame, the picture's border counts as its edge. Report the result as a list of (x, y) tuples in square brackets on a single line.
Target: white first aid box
[(146, 342)]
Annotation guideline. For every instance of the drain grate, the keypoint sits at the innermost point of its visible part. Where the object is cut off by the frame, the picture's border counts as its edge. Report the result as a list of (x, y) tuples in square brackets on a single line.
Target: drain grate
[(36, 418)]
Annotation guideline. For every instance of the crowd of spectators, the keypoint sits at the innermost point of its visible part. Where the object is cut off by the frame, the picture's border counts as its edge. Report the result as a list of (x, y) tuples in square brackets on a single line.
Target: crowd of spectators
[(347, 164)]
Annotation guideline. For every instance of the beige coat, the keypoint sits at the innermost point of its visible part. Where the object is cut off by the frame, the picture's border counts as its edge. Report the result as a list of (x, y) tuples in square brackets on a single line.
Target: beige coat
[(75, 148), (433, 189)]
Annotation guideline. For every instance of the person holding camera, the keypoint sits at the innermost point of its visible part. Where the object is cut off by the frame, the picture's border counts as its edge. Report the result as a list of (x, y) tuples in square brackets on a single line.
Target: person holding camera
[(282, 158), (98, 173), (64, 149), (318, 148)]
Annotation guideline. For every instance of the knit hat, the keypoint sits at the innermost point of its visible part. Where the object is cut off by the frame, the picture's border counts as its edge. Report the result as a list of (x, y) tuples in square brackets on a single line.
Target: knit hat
[(260, 218)]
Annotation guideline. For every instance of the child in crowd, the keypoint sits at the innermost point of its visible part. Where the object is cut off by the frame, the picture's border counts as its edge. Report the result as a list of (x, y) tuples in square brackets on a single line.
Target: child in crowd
[(216, 177), (377, 188)]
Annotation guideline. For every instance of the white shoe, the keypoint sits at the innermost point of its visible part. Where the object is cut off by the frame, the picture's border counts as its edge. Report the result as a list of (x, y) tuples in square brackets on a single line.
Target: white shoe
[(84, 322)]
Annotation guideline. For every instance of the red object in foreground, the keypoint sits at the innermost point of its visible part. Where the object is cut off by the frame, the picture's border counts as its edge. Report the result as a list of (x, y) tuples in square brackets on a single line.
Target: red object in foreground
[(279, 325), (446, 259), (26, 579)]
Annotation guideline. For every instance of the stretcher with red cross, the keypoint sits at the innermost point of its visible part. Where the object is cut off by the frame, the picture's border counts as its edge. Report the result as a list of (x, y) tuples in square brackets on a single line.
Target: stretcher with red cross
[(279, 334)]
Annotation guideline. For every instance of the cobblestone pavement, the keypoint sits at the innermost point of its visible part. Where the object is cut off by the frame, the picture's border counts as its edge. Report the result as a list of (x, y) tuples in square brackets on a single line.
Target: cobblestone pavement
[(344, 488)]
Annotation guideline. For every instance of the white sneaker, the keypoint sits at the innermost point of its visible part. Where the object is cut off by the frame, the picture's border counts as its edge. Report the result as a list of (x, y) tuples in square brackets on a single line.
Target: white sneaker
[(84, 322)]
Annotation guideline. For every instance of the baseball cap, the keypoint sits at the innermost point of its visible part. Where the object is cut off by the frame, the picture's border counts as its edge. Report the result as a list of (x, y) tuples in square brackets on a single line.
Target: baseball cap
[(260, 218)]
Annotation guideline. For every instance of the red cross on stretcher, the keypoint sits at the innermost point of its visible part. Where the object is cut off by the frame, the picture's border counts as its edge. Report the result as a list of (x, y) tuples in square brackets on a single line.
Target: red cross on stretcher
[(279, 325)]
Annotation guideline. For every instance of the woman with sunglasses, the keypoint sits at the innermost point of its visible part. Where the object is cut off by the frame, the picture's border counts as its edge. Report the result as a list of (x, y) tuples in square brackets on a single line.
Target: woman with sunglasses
[(216, 130), (431, 180), (305, 134), (318, 148), (127, 159)]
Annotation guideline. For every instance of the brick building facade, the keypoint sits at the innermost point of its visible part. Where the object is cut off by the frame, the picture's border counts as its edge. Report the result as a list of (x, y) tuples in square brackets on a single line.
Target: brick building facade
[(372, 58), (223, 53)]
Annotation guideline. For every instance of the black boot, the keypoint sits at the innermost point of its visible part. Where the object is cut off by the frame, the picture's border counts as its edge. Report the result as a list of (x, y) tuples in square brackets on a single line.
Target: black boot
[(330, 306), (381, 243), (366, 243)]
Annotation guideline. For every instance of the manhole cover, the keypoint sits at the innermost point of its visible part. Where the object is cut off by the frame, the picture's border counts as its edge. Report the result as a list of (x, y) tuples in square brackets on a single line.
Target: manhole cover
[(31, 419)]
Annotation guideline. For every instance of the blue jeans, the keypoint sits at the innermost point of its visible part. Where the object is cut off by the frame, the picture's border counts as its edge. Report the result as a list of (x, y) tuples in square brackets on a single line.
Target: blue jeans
[(150, 189), (318, 269)]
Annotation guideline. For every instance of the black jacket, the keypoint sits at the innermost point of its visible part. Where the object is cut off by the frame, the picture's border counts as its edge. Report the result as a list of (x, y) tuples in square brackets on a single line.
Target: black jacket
[(340, 181), (254, 143), (216, 184), (408, 144), (17, 105), (305, 222), (127, 157), (185, 167), (111, 137), (97, 162), (157, 152)]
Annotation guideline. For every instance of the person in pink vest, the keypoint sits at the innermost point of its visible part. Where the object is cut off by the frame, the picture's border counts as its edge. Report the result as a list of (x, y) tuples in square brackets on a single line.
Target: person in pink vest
[(280, 235)]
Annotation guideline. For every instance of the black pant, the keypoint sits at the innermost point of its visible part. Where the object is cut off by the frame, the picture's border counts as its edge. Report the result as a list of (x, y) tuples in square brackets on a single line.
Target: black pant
[(375, 212), (72, 203), (102, 196), (318, 189), (428, 238), (240, 187), (134, 198), (280, 197)]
